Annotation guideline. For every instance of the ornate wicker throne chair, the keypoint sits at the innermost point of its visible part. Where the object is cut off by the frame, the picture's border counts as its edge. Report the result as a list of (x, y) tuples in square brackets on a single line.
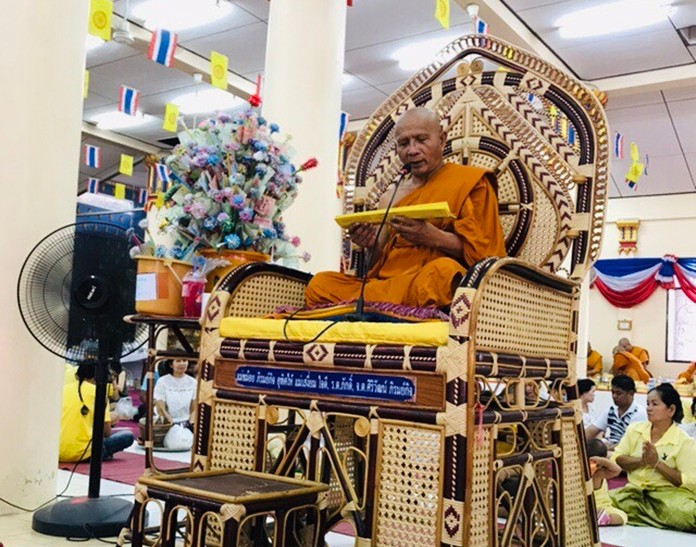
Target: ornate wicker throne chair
[(457, 442)]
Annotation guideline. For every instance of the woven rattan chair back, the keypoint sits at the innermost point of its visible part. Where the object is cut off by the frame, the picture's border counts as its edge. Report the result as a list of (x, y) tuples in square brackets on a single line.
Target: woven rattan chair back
[(544, 136)]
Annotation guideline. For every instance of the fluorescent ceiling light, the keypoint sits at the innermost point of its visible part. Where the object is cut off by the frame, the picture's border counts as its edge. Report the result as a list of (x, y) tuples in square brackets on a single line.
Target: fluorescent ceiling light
[(207, 100), (119, 120), (180, 14), (92, 42), (419, 54), (613, 17)]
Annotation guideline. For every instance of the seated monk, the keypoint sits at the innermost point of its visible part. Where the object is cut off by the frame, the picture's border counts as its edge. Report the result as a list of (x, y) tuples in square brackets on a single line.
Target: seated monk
[(628, 364), (688, 375), (594, 361), (417, 262), (641, 353)]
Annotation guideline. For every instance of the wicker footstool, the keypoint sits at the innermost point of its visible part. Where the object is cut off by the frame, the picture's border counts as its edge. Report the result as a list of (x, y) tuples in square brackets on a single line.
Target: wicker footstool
[(230, 508)]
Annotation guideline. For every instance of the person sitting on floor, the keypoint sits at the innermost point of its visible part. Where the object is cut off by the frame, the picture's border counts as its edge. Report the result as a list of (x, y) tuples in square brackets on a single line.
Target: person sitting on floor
[(77, 419), (628, 364), (174, 394), (586, 393), (688, 376), (641, 353), (614, 421), (660, 460), (602, 469), (594, 362), (416, 262)]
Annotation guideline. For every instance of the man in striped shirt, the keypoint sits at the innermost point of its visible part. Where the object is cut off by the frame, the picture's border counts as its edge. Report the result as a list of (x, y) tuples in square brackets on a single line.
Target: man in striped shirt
[(614, 421)]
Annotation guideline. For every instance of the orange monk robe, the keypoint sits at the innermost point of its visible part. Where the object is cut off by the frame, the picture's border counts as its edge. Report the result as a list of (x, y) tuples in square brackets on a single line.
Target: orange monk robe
[(688, 374), (642, 354), (422, 276), (594, 363), (628, 364)]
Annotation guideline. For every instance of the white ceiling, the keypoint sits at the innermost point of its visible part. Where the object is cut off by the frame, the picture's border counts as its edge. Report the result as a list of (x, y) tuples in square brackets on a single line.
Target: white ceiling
[(660, 116)]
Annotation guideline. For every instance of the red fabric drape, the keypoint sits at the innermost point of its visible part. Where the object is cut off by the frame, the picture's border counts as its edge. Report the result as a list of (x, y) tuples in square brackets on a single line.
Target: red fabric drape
[(628, 299)]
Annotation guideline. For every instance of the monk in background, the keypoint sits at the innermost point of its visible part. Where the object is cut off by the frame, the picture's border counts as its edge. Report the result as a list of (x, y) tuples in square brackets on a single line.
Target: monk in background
[(594, 361), (416, 262), (641, 353), (625, 363)]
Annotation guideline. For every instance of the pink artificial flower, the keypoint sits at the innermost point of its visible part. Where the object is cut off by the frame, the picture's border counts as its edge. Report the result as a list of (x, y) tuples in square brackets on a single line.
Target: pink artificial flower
[(198, 210), (295, 241)]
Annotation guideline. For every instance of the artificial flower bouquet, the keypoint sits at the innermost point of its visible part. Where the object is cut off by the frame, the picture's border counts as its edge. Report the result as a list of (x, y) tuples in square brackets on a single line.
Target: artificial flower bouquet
[(231, 179)]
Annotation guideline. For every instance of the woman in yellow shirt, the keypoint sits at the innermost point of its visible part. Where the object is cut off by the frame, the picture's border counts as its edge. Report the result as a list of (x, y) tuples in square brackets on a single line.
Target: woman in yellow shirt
[(661, 463)]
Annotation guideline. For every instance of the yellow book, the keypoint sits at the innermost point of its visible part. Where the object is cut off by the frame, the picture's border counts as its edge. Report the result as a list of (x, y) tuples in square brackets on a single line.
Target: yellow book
[(424, 211)]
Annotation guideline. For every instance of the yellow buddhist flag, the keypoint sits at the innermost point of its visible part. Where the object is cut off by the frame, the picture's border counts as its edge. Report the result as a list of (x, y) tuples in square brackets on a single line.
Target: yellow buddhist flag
[(636, 169), (126, 167), (100, 18), (85, 85), (442, 12), (218, 70), (120, 190), (171, 117), (159, 200)]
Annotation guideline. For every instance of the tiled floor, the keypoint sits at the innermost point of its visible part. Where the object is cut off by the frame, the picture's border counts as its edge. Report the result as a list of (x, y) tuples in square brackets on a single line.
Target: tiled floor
[(15, 530)]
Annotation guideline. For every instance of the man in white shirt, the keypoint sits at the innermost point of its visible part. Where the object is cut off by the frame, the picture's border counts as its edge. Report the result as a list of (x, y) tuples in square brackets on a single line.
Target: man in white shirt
[(614, 421)]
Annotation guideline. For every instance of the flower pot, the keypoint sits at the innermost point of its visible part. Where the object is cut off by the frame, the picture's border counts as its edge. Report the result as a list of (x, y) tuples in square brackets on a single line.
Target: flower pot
[(236, 258), (158, 285)]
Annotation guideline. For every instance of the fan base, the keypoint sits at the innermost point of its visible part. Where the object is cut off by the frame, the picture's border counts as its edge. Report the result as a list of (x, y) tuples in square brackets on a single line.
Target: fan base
[(83, 517)]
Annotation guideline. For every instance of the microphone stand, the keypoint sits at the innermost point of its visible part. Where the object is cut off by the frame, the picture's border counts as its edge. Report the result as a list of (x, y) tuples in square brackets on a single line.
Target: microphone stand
[(359, 314)]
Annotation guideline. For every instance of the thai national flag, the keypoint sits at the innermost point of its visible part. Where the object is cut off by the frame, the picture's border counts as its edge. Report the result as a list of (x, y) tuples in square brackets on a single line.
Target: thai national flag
[(92, 156), (618, 146), (481, 26), (162, 47), (163, 175), (93, 185), (142, 196), (128, 100)]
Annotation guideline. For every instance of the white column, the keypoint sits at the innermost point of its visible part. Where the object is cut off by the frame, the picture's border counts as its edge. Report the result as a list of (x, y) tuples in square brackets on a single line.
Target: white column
[(42, 56), (302, 94)]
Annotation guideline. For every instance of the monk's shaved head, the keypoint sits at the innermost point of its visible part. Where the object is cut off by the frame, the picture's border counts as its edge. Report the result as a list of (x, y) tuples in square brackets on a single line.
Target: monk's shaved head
[(420, 142), (421, 115)]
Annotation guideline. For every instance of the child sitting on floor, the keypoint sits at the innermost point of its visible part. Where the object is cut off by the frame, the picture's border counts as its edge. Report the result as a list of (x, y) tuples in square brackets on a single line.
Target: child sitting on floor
[(602, 469)]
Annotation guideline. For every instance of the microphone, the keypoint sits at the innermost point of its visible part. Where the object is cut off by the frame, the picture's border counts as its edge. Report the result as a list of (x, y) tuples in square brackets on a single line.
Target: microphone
[(359, 314)]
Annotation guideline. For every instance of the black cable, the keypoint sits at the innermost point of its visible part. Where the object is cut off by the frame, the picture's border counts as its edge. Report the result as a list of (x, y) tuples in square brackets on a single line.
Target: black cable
[(360, 302), (72, 473)]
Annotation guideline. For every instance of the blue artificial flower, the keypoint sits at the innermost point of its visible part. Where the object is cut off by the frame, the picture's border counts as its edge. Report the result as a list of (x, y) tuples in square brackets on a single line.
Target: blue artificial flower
[(232, 241), (210, 223), (237, 201), (274, 128), (270, 233), (177, 252), (262, 120), (160, 251), (213, 159)]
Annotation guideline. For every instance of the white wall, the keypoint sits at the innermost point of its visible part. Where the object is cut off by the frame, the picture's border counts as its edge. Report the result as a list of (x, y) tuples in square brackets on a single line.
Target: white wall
[(667, 226)]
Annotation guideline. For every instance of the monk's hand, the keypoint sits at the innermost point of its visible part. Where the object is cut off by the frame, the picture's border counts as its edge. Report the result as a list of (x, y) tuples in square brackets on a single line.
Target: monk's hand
[(418, 232), (362, 234)]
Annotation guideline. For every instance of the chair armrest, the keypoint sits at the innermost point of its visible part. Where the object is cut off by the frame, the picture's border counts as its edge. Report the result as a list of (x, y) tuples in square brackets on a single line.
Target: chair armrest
[(255, 290), (506, 306)]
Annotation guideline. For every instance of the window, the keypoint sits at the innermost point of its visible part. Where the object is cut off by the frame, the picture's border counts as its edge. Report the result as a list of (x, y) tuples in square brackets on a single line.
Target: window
[(681, 327)]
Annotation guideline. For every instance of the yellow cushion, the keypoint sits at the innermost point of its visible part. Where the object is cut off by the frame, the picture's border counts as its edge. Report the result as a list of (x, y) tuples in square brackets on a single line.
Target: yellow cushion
[(410, 334)]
